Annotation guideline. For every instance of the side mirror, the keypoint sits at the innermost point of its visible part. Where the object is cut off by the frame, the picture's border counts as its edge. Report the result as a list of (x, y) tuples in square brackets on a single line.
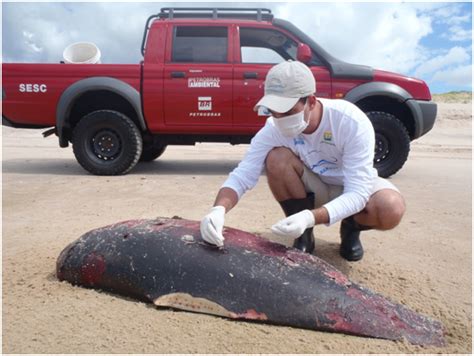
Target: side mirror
[(303, 53)]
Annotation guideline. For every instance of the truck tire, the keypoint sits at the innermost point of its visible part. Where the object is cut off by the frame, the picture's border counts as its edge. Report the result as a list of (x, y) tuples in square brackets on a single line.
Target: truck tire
[(107, 142), (392, 143), (151, 152)]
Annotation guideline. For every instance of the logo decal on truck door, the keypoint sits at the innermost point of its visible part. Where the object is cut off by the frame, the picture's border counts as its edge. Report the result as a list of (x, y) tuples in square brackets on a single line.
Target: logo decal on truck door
[(205, 108), (204, 83), (205, 103)]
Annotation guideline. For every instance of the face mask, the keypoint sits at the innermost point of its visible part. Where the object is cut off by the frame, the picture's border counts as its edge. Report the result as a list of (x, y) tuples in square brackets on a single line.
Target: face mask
[(291, 125)]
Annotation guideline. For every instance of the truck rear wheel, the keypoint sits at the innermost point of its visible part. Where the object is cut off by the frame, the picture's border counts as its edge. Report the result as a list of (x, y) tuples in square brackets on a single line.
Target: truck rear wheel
[(107, 142), (392, 143), (152, 152)]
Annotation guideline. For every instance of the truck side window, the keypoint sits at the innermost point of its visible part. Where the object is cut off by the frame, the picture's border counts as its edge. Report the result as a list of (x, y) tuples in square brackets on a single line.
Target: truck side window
[(259, 45), (266, 46), (198, 44)]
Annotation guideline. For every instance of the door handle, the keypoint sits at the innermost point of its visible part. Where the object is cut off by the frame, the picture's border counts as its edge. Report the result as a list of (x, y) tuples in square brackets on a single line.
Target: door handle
[(178, 74), (250, 75)]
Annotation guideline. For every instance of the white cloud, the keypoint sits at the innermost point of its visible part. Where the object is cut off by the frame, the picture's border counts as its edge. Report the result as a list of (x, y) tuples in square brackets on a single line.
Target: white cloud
[(459, 76), (453, 13), (385, 36), (456, 55), (458, 34), (457, 20), (53, 26), (444, 12)]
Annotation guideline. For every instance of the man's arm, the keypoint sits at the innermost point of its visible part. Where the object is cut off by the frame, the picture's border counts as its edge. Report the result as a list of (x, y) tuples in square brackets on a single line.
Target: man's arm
[(241, 179), (227, 197), (213, 223), (321, 216)]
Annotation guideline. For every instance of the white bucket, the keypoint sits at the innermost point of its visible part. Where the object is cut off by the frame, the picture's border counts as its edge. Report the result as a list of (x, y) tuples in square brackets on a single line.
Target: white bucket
[(82, 53)]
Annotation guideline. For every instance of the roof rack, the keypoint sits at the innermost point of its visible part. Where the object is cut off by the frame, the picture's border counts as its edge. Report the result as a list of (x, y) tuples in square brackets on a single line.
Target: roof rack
[(258, 14)]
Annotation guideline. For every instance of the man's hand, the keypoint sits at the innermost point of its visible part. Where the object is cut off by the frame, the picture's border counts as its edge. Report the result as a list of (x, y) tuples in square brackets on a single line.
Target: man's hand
[(212, 225), (294, 225)]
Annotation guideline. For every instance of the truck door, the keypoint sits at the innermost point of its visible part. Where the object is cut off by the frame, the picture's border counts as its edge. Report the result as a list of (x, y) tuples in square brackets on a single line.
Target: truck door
[(260, 49), (198, 77)]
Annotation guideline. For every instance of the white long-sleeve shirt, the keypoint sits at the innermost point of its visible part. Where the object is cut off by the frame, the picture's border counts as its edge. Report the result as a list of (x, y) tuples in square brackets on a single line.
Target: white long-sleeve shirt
[(340, 151)]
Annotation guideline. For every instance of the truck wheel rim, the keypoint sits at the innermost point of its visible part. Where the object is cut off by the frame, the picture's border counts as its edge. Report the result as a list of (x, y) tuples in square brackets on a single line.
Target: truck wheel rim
[(382, 148), (106, 145)]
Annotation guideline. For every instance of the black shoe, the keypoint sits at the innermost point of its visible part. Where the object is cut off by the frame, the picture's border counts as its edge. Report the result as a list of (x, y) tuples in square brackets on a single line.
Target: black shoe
[(305, 242), (351, 248)]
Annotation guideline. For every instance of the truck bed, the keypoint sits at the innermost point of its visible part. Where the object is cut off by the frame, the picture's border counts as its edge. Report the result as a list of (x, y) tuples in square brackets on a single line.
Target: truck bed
[(31, 91)]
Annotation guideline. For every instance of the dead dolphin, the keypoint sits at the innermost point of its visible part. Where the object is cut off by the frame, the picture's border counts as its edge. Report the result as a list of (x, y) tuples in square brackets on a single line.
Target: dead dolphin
[(165, 261)]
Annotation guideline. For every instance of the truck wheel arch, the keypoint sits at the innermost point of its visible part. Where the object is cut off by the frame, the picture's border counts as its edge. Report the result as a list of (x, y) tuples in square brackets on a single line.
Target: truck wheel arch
[(375, 89), (75, 91), (379, 91)]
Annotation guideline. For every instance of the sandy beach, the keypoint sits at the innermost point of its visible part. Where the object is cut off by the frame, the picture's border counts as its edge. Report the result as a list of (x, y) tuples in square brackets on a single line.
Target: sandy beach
[(49, 201)]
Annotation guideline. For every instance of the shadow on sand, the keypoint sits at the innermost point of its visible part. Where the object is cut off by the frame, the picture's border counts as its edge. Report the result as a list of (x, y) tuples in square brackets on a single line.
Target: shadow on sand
[(163, 167)]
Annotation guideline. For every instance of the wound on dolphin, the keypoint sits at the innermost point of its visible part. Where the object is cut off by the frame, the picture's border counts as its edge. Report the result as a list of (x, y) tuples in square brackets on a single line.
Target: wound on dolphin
[(166, 262)]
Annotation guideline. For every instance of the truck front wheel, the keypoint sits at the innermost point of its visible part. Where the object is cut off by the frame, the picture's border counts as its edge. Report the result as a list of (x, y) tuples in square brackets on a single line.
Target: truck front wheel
[(392, 143), (107, 142)]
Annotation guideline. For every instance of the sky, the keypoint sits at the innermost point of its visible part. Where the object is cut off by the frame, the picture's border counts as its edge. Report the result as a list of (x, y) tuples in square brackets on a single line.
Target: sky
[(428, 40)]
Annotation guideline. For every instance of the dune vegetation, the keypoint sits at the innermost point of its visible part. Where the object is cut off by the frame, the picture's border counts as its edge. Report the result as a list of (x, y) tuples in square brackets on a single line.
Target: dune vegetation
[(464, 97)]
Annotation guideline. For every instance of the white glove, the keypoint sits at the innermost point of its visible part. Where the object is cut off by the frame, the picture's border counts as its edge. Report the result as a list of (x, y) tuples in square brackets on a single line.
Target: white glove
[(212, 225), (294, 225)]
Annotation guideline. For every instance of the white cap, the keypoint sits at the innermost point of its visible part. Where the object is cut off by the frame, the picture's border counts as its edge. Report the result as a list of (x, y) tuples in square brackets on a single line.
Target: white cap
[(285, 84)]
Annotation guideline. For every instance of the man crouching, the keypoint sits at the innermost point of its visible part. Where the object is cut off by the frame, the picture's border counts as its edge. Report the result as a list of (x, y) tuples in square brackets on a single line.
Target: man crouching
[(318, 155)]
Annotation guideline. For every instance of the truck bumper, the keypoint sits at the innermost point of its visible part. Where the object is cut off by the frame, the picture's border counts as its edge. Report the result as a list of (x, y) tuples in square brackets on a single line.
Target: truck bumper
[(424, 113)]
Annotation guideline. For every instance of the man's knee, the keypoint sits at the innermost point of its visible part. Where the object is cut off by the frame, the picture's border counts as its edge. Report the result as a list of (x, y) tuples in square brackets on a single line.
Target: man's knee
[(390, 209), (278, 160)]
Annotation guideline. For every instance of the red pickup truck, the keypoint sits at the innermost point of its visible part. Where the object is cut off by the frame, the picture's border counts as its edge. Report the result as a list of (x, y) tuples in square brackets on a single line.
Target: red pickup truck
[(202, 72)]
